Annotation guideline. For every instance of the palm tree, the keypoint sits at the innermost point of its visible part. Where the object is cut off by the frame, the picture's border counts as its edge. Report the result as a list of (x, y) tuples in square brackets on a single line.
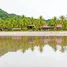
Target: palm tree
[(41, 20), (62, 18), (55, 22), (62, 21), (32, 20)]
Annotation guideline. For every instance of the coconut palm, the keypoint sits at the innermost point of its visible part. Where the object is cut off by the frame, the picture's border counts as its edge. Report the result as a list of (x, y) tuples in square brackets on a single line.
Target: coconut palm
[(63, 22)]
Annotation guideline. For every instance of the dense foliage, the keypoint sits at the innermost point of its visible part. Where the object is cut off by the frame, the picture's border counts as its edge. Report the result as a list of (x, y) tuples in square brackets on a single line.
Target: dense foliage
[(10, 21)]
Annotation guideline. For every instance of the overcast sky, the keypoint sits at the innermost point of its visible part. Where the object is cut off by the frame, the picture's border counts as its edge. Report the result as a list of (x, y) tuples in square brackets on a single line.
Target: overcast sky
[(35, 8)]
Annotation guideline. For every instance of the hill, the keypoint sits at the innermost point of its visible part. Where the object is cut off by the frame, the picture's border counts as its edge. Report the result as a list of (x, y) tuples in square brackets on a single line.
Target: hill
[(5, 15)]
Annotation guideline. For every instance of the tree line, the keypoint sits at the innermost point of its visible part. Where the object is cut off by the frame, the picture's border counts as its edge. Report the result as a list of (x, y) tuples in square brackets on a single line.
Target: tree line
[(21, 22), (10, 21)]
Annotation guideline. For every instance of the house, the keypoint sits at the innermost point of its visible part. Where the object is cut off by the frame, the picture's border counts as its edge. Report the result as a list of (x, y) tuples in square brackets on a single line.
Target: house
[(59, 26), (46, 27), (16, 29), (51, 27), (30, 26), (6, 29)]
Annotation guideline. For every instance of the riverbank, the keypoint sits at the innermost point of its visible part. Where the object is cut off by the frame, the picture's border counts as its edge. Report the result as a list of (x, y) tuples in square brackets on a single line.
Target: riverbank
[(35, 33)]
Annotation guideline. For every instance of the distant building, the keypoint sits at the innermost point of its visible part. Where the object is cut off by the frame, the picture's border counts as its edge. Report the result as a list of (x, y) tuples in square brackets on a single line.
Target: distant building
[(30, 26), (46, 27), (59, 26), (16, 29)]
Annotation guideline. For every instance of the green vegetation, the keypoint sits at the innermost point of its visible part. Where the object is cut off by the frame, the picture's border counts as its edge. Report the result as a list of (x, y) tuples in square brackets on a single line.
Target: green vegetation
[(12, 22)]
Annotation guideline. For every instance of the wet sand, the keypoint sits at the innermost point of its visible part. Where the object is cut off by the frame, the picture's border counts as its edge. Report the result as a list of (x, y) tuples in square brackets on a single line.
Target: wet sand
[(36, 33)]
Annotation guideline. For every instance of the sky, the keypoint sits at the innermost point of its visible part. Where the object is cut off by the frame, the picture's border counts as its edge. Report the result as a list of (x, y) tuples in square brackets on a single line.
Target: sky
[(35, 8)]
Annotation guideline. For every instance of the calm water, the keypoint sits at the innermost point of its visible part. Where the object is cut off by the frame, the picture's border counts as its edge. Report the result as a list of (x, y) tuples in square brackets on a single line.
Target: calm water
[(33, 51)]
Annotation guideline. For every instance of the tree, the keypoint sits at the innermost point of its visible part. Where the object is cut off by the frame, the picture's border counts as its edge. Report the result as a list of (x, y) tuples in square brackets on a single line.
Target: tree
[(63, 22)]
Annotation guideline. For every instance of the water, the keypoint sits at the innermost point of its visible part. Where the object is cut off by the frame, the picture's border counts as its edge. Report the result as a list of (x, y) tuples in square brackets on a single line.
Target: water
[(33, 51)]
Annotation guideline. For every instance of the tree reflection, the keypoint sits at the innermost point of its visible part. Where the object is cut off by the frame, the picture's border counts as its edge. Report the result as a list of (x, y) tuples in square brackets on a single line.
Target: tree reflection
[(12, 44)]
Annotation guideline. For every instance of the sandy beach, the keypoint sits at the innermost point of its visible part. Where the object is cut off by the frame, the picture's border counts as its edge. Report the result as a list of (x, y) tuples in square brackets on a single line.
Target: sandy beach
[(36, 33)]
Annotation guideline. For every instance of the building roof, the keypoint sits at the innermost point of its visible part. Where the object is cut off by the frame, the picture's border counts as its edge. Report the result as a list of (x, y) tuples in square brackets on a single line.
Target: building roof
[(59, 25), (46, 26)]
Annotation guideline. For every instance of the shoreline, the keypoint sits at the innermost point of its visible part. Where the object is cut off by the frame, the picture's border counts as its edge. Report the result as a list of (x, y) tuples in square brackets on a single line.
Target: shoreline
[(34, 33)]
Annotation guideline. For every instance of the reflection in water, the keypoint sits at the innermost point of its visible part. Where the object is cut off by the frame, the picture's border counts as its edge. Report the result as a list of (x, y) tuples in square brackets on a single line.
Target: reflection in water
[(33, 51), (12, 44)]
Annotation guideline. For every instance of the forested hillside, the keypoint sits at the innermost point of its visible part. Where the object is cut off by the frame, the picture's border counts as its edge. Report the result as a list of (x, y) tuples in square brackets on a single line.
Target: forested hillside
[(5, 15)]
